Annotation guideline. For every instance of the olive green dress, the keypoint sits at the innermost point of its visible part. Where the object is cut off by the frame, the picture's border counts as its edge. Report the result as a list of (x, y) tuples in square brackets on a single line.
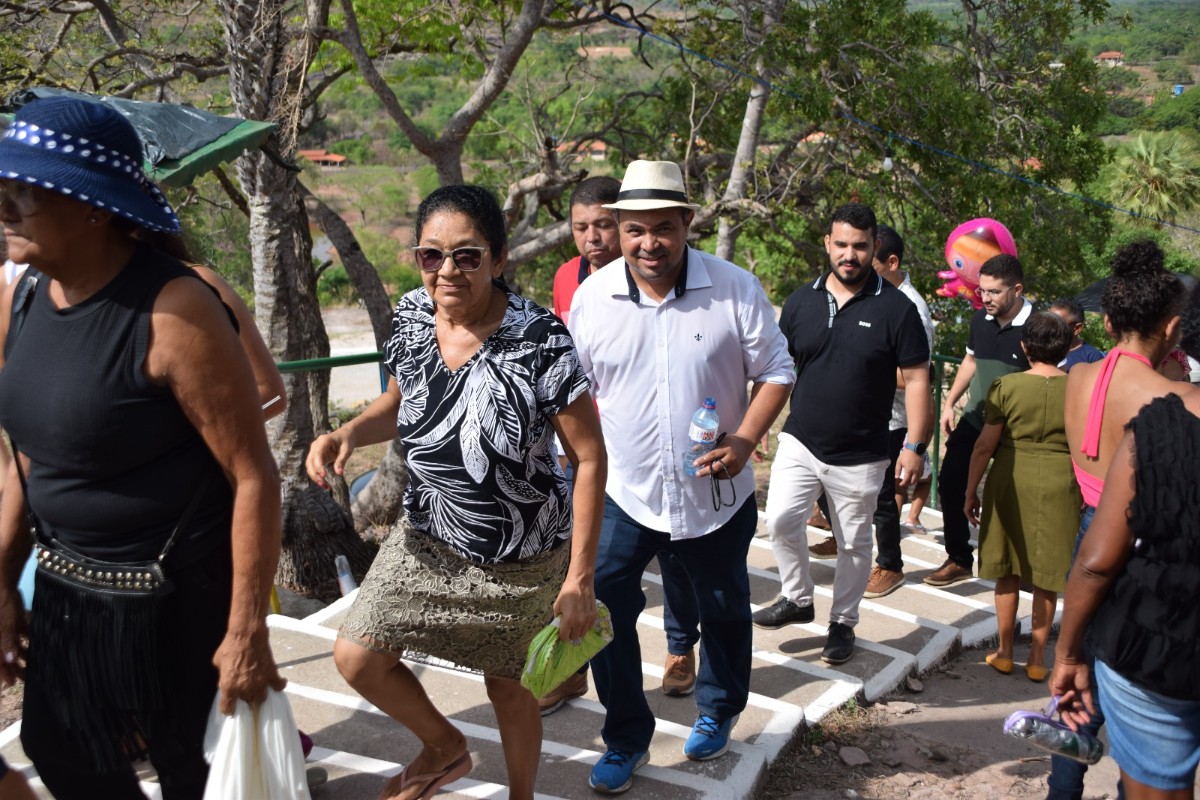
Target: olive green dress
[(1030, 501)]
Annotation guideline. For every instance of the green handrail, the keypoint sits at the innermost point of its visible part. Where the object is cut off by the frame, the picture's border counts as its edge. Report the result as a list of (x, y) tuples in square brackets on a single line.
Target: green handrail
[(939, 374), (307, 364)]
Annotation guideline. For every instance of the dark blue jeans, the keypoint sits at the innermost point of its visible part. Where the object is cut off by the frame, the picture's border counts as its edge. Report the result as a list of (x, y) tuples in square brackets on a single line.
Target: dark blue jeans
[(716, 564), (1066, 775), (681, 616), (681, 619)]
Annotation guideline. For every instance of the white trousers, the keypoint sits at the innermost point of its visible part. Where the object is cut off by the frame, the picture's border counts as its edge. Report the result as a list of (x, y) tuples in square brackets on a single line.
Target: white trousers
[(797, 479)]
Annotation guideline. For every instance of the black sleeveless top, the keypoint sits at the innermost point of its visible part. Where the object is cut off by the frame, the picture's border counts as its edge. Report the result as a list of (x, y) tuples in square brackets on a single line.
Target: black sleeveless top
[(114, 459), (1148, 626)]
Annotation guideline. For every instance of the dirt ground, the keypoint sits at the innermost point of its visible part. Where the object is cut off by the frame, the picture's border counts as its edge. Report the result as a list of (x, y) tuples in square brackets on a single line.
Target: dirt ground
[(943, 742)]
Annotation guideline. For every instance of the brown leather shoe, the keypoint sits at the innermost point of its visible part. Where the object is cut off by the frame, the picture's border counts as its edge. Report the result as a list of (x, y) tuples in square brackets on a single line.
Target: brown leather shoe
[(947, 574), (883, 582), (825, 549), (574, 686), (679, 674)]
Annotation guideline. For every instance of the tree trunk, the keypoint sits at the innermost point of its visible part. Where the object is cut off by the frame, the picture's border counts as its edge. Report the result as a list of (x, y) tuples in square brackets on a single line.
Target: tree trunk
[(265, 75), (362, 272), (378, 505), (747, 148), (380, 502)]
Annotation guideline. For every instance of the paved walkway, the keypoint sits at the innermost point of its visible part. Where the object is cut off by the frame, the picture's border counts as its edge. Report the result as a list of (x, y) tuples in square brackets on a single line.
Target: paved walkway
[(906, 633)]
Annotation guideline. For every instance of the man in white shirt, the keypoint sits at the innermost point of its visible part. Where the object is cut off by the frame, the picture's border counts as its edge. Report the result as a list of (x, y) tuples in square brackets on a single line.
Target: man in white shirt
[(658, 333)]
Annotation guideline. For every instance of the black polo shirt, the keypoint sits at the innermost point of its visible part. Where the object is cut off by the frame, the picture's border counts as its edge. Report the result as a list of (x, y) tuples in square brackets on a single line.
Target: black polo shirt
[(846, 361), (997, 351)]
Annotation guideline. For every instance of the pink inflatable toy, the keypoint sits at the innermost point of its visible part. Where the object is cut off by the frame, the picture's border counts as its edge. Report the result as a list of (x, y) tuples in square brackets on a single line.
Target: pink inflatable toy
[(967, 247)]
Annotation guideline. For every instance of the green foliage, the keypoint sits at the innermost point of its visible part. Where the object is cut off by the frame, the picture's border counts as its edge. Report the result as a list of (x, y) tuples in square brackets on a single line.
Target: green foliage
[(1118, 79), (334, 287), (427, 180), (1173, 71), (1125, 106), (1158, 175), (1127, 231), (954, 323), (1114, 125), (357, 150), (1169, 112), (1144, 31), (217, 234)]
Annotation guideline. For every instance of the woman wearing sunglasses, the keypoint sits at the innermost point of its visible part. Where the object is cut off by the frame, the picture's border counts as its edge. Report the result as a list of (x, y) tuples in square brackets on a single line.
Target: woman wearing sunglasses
[(491, 545)]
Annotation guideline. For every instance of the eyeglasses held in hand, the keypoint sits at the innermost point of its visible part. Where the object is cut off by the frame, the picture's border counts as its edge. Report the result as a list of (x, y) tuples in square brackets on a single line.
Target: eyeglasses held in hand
[(714, 482), (467, 259)]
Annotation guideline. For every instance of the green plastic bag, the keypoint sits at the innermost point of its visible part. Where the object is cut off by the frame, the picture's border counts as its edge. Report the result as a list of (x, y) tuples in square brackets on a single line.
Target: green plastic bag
[(552, 660)]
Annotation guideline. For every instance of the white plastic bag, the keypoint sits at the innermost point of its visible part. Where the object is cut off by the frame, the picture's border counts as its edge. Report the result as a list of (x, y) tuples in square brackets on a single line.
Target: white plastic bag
[(255, 753)]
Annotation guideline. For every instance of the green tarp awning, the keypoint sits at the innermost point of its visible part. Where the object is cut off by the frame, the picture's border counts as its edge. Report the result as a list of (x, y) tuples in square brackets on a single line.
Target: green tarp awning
[(179, 142)]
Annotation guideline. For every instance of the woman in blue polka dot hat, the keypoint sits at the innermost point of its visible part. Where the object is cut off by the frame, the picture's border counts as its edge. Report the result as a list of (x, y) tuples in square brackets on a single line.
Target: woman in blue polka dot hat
[(148, 490)]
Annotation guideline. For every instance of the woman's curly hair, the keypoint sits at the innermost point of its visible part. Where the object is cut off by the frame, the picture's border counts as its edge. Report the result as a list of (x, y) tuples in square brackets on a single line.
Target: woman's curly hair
[(1141, 293)]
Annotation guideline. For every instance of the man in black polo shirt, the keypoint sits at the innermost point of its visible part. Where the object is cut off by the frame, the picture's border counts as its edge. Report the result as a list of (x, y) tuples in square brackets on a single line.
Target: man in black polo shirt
[(993, 350), (849, 331)]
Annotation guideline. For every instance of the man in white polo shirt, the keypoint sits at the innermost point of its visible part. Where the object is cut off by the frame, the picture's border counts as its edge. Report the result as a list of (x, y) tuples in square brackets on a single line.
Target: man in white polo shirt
[(657, 333)]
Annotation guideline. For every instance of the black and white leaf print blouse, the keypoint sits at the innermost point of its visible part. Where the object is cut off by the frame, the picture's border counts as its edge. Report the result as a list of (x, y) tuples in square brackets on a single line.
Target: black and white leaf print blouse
[(477, 440)]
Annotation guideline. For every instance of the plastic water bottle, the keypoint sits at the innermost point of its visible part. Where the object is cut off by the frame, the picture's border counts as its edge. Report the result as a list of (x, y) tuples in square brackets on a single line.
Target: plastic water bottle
[(702, 435), (345, 577), (1054, 737)]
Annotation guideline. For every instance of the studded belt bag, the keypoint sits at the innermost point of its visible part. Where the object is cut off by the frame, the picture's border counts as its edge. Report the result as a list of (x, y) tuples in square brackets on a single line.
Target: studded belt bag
[(60, 562)]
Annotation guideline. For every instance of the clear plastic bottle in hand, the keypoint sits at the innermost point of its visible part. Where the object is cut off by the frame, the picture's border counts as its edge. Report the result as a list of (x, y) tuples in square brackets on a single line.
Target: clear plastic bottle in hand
[(702, 435), (1042, 731)]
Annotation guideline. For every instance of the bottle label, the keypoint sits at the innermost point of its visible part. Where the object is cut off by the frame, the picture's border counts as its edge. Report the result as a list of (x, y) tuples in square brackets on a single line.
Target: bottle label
[(699, 434)]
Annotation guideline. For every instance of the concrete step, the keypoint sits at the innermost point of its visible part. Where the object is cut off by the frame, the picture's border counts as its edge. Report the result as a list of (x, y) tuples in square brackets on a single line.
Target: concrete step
[(906, 633)]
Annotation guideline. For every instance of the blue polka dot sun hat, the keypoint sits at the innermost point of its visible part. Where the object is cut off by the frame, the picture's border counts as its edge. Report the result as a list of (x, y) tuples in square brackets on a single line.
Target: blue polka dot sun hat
[(85, 150)]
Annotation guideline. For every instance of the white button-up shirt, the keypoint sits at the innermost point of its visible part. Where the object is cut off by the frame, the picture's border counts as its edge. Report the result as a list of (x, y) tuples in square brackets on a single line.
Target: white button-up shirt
[(651, 366)]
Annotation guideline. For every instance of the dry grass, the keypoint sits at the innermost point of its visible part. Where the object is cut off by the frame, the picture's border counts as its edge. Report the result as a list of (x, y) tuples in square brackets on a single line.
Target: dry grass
[(811, 761)]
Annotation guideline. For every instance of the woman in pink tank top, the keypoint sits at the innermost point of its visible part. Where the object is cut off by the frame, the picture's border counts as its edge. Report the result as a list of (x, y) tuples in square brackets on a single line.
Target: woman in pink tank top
[(1142, 303)]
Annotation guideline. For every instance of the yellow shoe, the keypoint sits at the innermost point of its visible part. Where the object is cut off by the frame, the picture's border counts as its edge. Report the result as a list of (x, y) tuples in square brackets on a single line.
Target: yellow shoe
[(1002, 665), (1035, 673)]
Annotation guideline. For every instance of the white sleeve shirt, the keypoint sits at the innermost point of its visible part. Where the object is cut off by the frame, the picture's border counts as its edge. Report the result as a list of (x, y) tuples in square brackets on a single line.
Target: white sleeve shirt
[(899, 409), (651, 366)]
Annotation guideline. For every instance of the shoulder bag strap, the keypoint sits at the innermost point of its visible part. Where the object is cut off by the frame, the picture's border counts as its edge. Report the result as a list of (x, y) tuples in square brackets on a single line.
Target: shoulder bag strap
[(26, 285)]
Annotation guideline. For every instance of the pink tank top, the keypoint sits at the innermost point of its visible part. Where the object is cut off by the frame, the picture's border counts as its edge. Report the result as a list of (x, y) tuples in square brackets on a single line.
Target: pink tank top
[(1089, 485)]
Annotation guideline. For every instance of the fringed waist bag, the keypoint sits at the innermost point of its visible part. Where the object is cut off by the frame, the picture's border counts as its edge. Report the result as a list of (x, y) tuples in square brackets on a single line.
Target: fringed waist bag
[(98, 641)]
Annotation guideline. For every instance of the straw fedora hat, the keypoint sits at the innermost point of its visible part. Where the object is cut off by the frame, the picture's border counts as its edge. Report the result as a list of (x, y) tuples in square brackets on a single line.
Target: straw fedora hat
[(652, 184)]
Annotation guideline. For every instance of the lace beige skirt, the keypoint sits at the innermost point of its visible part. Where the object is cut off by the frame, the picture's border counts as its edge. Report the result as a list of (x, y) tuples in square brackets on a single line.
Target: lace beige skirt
[(425, 602)]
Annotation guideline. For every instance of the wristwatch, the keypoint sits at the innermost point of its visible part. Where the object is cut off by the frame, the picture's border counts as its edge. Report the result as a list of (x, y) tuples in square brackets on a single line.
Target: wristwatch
[(916, 447)]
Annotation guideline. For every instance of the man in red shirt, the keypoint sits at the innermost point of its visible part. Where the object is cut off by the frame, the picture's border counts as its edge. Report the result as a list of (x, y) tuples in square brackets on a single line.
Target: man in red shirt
[(599, 243), (596, 238)]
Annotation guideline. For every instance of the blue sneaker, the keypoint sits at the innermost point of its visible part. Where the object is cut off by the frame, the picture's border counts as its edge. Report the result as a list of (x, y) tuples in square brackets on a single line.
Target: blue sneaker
[(709, 739), (613, 773)]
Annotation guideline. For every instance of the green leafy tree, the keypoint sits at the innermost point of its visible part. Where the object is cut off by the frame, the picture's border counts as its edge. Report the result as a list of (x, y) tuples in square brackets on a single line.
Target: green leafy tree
[(1172, 71), (1169, 112), (1158, 175)]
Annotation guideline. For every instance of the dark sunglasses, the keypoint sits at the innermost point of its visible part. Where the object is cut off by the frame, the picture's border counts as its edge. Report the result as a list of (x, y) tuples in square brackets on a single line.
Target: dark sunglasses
[(23, 196), (467, 259)]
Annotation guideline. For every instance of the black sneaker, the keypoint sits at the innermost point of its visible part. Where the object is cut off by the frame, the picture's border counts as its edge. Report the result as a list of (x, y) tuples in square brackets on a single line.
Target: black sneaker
[(782, 612), (840, 644)]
